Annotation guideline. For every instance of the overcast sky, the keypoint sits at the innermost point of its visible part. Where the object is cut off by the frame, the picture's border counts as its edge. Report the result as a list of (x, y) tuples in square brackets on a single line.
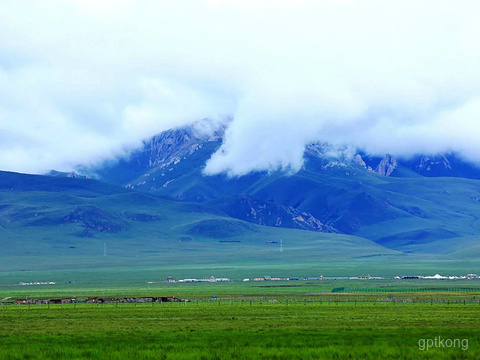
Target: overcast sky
[(86, 80)]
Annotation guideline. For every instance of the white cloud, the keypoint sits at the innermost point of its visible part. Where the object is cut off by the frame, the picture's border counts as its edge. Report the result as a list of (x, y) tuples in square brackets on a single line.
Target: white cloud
[(82, 80)]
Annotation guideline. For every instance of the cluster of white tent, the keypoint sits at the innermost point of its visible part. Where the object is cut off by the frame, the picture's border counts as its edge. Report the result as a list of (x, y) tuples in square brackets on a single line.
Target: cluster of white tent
[(38, 283), (439, 277)]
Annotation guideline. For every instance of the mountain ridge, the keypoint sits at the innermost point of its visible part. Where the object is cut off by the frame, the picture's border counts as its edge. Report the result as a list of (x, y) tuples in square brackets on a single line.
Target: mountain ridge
[(340, 190)]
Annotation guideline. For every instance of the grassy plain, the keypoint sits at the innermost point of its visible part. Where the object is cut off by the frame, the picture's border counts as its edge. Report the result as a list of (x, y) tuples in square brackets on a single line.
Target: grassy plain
[(252, 290), (238, 330), (298, 320)]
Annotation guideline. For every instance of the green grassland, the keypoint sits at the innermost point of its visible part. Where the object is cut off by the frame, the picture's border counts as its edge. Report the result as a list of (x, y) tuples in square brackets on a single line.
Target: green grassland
[(238, 330), (300, 289), (247, 320)]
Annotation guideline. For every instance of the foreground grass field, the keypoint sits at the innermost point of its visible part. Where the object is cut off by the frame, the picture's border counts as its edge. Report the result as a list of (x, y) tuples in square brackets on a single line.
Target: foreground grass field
[(241, 330)]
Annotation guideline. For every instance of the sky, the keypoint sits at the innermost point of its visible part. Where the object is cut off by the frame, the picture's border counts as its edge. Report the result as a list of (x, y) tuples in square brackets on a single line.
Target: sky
[(82, 81)]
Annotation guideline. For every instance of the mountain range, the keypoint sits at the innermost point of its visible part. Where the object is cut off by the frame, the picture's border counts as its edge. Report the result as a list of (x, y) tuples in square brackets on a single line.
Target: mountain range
[(158, 204), (399, 203)]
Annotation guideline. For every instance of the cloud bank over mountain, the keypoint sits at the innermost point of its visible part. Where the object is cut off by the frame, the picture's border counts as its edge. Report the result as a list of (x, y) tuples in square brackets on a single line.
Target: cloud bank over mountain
[(82, 81)]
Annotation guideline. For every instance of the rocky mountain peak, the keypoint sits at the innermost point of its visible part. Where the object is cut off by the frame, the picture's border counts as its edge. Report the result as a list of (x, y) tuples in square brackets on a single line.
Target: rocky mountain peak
[(358, 159), (427, 162), (387, 165), (179, 142)]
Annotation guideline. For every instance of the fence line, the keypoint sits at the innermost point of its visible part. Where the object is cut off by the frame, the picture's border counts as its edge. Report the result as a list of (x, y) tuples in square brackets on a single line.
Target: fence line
[(230, 302)]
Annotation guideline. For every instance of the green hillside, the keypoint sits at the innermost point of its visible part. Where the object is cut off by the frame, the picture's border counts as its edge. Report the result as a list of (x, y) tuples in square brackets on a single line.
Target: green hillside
[(66, 224)]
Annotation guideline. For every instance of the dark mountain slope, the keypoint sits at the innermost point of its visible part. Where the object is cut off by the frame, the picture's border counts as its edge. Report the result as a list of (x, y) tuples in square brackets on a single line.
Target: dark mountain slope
[(248, 208)]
